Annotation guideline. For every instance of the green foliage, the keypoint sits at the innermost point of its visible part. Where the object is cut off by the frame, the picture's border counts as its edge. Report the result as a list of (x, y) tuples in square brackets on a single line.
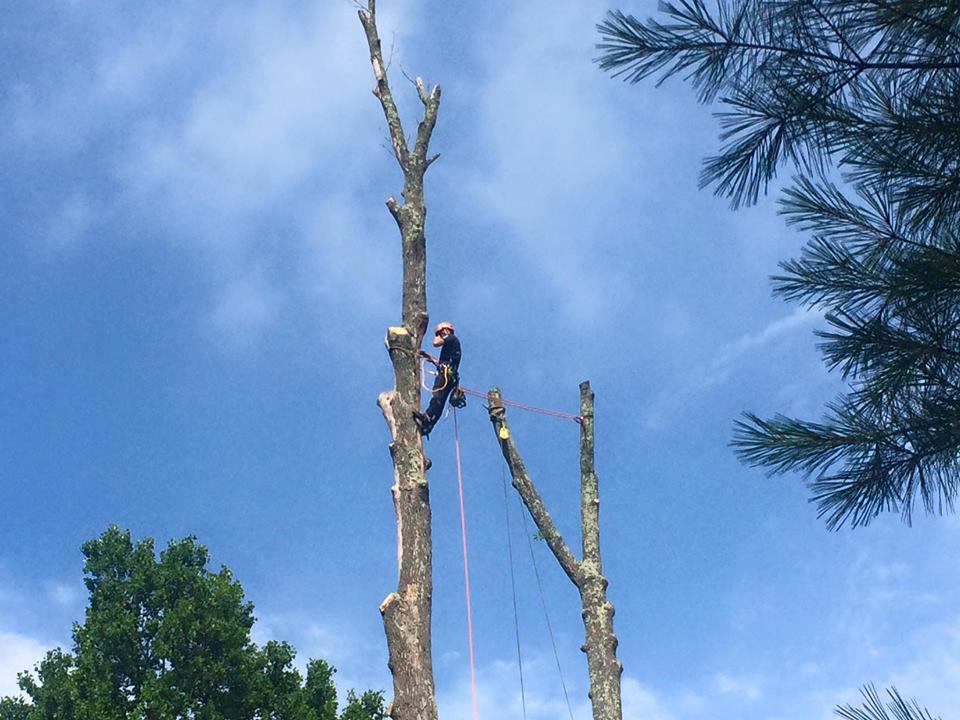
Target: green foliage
[(320, 691), (168, 639), (873, 708), (368, 706), (13, 709), (870, 88)]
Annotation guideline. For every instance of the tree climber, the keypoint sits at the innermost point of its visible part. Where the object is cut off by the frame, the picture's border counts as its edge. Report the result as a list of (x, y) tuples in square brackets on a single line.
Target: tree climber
[(448, 379)]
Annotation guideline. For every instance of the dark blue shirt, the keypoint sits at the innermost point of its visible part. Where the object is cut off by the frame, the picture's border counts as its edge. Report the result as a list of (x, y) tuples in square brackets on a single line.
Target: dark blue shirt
[(450, 354)]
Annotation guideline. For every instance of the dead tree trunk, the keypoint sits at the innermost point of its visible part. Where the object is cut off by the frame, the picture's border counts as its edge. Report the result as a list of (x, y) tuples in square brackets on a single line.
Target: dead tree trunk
[(407, 612), (587, 573)]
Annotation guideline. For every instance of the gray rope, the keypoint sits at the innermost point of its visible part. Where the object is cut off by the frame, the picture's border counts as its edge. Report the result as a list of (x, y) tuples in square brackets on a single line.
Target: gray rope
[(513, 589), (543, 603)]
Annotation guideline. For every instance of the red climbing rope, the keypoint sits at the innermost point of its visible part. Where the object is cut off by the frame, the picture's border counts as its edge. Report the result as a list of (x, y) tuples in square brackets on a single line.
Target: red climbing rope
[(476, 393), (466, 568), (523, 406)]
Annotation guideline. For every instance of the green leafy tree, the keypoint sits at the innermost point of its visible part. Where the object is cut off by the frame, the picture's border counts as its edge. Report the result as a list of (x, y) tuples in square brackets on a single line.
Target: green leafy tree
[(320, 691), (862, 99), (368, 706), (168, 639), (13, 709)]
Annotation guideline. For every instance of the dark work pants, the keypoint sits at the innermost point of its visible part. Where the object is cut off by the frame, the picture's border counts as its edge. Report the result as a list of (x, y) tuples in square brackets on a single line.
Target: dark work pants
[(443, 385)]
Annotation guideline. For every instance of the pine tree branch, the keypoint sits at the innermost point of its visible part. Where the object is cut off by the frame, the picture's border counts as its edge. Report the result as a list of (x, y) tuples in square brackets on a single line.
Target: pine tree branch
[(914, 18), (874, 708)]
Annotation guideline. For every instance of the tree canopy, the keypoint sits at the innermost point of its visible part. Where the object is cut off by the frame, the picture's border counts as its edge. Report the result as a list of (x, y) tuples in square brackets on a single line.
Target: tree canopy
[(13, 709), (165, 639), (862, 99)]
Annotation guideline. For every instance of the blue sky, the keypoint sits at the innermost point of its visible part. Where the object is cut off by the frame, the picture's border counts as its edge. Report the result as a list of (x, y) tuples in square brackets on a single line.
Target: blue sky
[(196, 275)]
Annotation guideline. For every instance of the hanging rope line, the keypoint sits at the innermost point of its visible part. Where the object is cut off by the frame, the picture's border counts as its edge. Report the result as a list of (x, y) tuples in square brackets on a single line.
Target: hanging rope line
[(543, 604), (466, 570), (513, 589), (466, 562)]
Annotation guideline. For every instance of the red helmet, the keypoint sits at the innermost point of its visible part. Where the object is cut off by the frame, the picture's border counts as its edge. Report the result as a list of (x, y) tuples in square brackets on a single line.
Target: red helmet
[(443, 326)]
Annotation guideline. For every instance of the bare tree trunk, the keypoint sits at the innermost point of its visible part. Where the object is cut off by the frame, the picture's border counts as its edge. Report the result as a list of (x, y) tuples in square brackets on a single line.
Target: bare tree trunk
[(586, 574), (601, 642), (407, 612)]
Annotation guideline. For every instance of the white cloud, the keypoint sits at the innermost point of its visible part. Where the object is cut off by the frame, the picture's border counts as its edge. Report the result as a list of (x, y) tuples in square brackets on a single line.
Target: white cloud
[(550, 144), (283, 135), (929, 674), (287, 102), (725, 361), (640, 702), (346, 263), (498, 693), (244, 308), (246, 134), (66, 596), (499, 696), (932, 676), (727, 684), (722, 364), (17, 654)]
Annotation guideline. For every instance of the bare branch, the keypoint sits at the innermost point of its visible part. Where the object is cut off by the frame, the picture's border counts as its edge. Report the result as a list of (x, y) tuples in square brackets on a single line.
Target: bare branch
[(425, 129), (528, 493), (382, 90)]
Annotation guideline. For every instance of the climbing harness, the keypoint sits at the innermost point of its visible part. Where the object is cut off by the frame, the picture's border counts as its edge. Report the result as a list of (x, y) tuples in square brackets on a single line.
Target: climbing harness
[(457, 397), (424, 372)]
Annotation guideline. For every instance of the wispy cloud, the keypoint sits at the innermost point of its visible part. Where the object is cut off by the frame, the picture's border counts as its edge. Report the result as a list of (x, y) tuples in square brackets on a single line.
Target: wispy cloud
[(932, 676), (18, 653), (694, 380), (499, 694), (244, 134), (641, 702), (728, 684), (245, 306), (65, 596), (551, 154)]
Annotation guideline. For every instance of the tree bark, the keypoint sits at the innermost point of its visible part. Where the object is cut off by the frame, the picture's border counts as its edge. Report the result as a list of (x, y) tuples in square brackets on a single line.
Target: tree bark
[(407, 612), (601, 642), (600, 646)]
